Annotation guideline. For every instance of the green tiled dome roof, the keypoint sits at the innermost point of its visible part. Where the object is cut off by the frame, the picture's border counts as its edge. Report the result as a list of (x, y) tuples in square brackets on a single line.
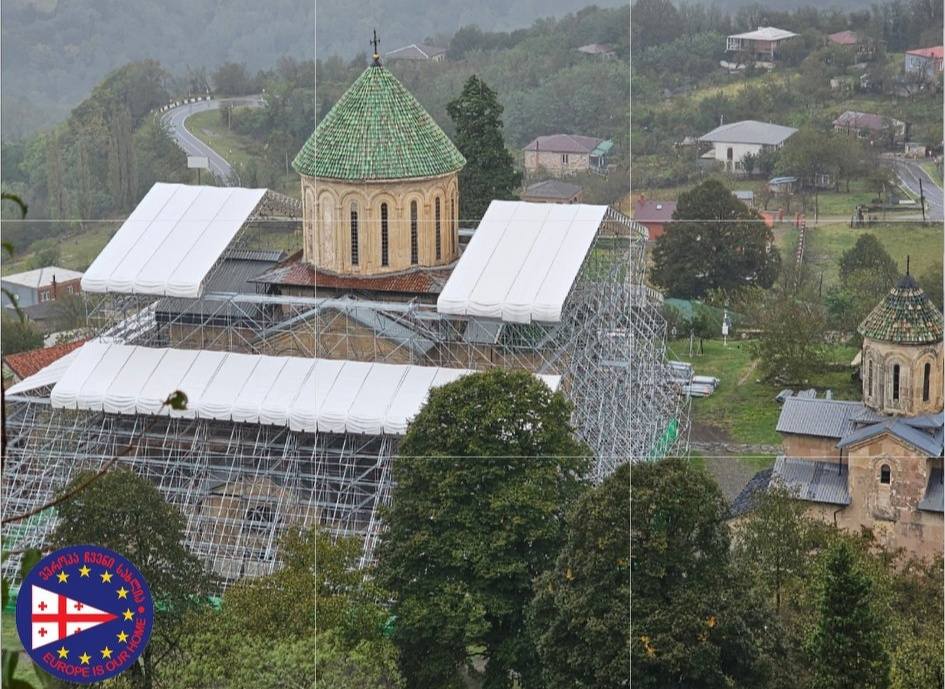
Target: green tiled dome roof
[(905, 316), (377, 131)]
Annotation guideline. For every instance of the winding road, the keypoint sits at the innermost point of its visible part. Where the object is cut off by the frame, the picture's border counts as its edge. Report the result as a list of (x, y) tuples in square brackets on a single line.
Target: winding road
[(176, 119), (909, 173)]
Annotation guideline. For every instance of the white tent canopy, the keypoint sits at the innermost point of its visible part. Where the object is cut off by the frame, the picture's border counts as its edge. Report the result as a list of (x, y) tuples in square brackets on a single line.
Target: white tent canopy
[(522, 261), (171, 240), (308, 395)]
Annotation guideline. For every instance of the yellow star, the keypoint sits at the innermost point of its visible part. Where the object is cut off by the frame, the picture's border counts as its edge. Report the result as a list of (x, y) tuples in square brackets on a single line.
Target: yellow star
[(122, 637), (63, 652), (106, 577), (128, 614), (84, 571), (63, 577), (106, 653), (122, 592), (85, 658)]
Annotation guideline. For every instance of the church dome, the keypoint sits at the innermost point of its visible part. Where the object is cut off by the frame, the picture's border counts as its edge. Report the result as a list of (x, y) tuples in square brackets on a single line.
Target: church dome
[(377, 131), (905, 316)]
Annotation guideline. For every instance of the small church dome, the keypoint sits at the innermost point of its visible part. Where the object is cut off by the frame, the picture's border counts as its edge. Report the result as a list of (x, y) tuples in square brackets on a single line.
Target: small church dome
[(905, 316)]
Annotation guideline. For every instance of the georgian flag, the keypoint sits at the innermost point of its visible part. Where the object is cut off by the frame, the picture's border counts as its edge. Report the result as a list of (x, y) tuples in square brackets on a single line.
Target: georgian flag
[(55, 616)]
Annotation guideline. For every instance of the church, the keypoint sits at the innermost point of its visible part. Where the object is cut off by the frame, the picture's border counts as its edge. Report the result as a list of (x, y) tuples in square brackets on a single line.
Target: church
[(876, 465), (380, 198)]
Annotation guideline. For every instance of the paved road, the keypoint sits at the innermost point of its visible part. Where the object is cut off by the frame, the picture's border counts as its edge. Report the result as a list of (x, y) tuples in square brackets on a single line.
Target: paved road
[(909, 173), (176, 119)]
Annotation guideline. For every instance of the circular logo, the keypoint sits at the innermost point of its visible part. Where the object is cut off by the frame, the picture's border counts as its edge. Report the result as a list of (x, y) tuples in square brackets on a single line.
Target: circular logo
[(84, 613)]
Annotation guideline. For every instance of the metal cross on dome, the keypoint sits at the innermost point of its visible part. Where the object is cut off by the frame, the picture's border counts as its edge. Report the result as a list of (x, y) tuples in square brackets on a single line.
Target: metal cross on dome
[(376, 42)]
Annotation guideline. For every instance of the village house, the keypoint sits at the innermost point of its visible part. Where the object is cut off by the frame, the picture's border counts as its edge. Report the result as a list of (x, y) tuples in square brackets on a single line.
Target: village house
[(923, 63), (732, 142), (553, 191), (863, 46), (418, 52), (654, 215), (40, 285), (22, 365), (763, 44), (868, 125), (566, 154), (601, 50), (876, 464)]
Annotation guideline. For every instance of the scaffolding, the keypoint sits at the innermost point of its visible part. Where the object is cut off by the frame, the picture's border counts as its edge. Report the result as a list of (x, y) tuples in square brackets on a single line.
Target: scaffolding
[(241, 485)]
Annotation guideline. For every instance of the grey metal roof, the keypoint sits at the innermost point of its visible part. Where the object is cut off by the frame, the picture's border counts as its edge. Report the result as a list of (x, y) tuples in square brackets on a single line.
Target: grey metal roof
[(552, 189), (482, 332), (749, 132), (934, 500), (813, 480), (820, 417), (386, 326), (233, 275), (744, 501), (916, 431)]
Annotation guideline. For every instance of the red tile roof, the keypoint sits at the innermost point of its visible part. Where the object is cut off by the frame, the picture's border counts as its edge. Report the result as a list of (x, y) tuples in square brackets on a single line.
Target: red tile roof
[(25, 364), (294, 272), (844, 38), (934, 52)]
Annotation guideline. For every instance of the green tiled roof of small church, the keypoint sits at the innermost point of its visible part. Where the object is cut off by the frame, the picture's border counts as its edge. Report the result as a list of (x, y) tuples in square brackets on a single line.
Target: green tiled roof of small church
[(905, 316), (377, 131)]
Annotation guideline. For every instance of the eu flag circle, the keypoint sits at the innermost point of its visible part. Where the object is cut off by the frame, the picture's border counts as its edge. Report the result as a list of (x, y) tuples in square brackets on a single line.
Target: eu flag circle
[(84, 613)]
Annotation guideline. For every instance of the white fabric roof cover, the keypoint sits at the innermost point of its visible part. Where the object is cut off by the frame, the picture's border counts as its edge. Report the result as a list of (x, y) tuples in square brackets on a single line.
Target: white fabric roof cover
[(522, 261), (171, 240), (309, 395), (45, 376)]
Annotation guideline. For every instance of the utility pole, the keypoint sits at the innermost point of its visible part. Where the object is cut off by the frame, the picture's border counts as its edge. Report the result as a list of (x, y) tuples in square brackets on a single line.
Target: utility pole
[(922, 199)]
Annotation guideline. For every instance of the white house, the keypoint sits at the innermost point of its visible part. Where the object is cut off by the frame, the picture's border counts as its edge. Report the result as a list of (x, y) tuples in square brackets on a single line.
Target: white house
[(763, 44), (731, 142), (40, 285)]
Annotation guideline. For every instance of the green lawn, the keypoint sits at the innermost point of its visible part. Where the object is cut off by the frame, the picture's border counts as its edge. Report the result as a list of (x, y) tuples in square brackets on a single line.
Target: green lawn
[(826, 243), (742, 407), (239, 151), (11, 642)]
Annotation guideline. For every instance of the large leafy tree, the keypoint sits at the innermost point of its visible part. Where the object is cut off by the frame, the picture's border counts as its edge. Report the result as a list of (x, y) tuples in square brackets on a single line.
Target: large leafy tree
[(581, 610), (792, 345), (870, 256), (483, 480), (489, 173), (125, 512), (695, 621), (717, 242), (846, 644)]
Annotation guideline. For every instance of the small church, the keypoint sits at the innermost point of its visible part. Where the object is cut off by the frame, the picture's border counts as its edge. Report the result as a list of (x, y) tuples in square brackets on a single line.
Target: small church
[(380, 200), (877, 464)]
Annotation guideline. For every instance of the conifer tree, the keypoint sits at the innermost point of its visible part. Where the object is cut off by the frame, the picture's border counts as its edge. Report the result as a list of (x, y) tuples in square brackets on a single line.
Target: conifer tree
[(489, 173), (846, 644)]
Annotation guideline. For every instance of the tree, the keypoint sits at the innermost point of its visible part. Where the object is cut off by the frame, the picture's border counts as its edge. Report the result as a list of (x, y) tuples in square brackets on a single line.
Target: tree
[(18, 335), (716, 242), (792, 343), (846, 644), (264, 633), (489, 173), (870, 256), (232, 79), (125, 512), (581, 607), (695, 621), (931, 282), (483, 479), (773, 540)]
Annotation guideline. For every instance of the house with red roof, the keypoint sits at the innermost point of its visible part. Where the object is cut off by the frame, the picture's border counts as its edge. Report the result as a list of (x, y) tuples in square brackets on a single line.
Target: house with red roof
[(22, 365), (654, 215), (924, 62), (851, 39)]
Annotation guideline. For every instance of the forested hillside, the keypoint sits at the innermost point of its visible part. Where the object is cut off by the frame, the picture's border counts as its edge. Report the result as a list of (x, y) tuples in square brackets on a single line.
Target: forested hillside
[(55, 51)]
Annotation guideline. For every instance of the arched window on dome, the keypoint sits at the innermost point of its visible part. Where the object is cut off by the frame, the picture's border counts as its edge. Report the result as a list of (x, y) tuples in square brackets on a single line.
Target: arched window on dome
[(926, 382), (895, 382), (384, 236), (414, 240), (885, 475), (354, 233), (439, 240)]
